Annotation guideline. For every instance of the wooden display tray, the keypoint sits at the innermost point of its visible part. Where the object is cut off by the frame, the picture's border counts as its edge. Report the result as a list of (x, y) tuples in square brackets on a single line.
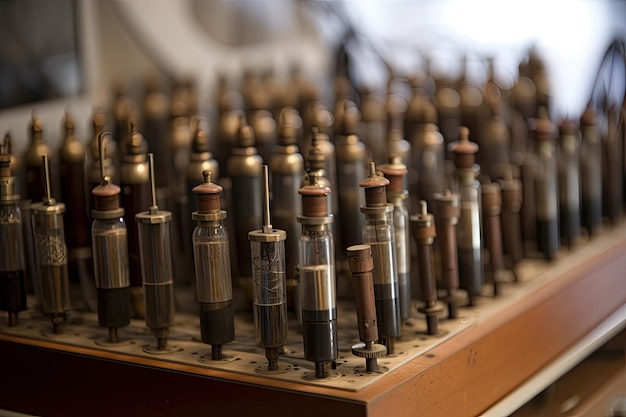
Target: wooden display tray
[(463, 375)]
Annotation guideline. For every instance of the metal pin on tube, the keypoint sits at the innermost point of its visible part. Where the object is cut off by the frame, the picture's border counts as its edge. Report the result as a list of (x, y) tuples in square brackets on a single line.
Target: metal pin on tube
[(51, 254), (153, 227), (267, 248)]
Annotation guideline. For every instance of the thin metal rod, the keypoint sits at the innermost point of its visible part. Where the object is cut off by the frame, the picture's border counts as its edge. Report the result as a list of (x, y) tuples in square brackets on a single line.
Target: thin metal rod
[(152, 188), (46, 177), (267, 222)]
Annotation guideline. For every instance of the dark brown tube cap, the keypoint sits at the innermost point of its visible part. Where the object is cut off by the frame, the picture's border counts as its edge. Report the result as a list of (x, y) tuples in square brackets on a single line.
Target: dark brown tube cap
[(207, 195), (423, 224), (464, 151), (106, 195), (360, 259), (375, 193), (447, 205), (314, 199), (394, 171)]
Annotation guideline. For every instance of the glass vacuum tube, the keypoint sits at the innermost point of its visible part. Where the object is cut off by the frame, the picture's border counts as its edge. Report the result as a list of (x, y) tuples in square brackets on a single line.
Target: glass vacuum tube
[(212, 265), (12, 265), (269, 288), (51, 254), (317, 278)]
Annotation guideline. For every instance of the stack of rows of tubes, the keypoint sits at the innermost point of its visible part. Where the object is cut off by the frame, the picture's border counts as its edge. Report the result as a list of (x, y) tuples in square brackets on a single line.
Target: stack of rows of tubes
[(424, 197)]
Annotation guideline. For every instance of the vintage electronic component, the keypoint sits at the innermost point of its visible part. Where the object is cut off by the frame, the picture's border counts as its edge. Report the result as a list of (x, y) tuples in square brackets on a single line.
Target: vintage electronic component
[(51, 254), (12, 265), (244, 169), (153, 227), (546, 189), (495, 142), (229, 104), (287, 167), (395, 171), (351, 163), (590, 173), (317, 278), (135, 195), (374, 119), (214, 288), (122, 109), (612, 168), (94, 172), (379, 233), (448, 105), (511, 189), (469, 227), (258, 102), (110, 253), (424, 233), (428, 156), (321, 156), (492, 232), (155, 125), (32, 160), (569, 182), (267, 248), (73, 192), (361, 265), (200, 160), (447, 212)]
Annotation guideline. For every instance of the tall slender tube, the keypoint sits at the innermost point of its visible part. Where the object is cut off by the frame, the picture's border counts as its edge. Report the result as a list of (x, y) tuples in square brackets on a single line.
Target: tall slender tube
[(110, 254), (361, 265), (569, 182), (447, 211), (378, 232), (51, 251), (317, 278), (395, 171), (135, 195), (212, 263), (351, 165), (156, 267), (244, 169), (423, 230), (12, 265), (546, 190), (267, 247), (469, 227), (287, 166)]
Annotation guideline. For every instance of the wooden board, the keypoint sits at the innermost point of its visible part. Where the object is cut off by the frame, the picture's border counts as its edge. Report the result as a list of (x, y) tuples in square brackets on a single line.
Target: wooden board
[(463, 375)]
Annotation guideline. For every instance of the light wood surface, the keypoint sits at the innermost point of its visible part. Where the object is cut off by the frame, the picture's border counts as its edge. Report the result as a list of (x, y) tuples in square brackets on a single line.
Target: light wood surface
[(462, 376)]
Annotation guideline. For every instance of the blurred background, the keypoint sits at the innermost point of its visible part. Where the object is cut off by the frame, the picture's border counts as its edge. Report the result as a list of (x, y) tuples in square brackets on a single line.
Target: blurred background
[(68, 53)]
